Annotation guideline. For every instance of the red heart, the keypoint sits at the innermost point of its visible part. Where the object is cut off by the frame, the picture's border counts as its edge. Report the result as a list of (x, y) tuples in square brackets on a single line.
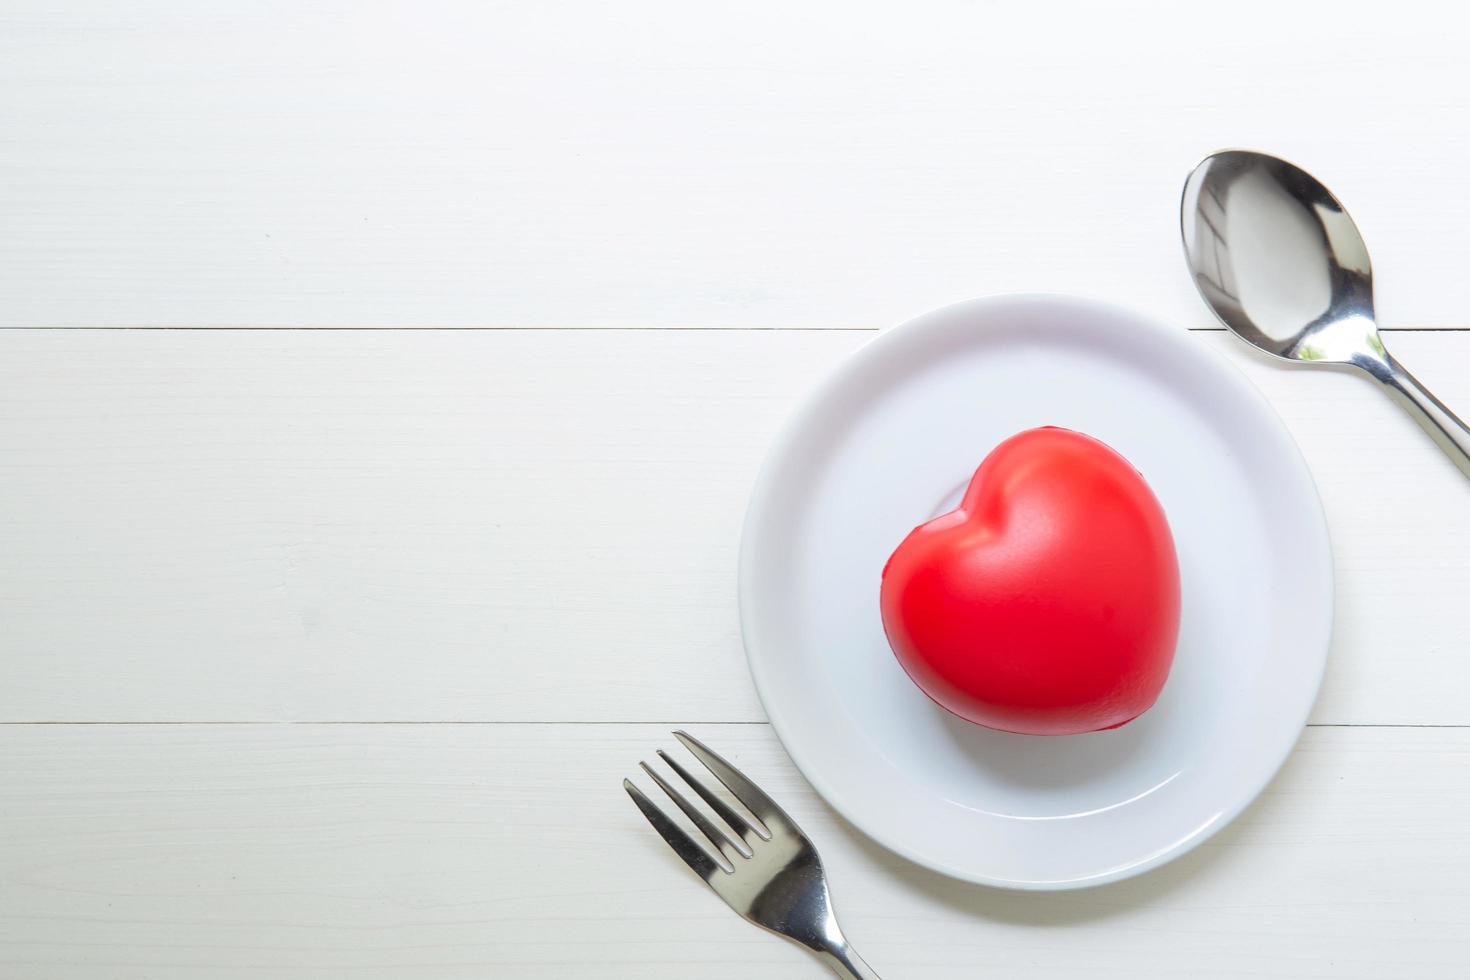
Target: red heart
[(1047, 603)]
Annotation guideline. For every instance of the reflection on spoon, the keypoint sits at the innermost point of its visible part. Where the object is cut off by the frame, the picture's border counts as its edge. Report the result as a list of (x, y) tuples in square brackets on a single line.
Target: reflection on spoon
[(1280, 262)]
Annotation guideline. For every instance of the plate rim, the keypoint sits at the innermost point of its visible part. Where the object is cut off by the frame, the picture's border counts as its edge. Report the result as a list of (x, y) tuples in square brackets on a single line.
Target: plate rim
[(761, 500)]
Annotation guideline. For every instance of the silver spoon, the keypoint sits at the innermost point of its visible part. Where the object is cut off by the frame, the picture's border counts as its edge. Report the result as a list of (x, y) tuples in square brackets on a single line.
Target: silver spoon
[(1281, 263)]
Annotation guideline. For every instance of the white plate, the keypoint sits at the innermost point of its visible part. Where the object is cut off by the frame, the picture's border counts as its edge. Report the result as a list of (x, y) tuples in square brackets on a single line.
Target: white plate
[(888, 442)]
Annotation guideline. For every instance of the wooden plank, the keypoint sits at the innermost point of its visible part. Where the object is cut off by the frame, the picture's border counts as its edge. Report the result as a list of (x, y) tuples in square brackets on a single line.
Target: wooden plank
[(531, 525), (510, 851), (670, 164)]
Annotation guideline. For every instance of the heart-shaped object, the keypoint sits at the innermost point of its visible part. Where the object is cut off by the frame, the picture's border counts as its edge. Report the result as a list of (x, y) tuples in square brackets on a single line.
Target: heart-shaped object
[(1047, 603)]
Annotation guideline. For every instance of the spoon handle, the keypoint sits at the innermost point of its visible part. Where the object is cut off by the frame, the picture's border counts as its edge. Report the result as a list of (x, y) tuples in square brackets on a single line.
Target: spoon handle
[(1443, 425)]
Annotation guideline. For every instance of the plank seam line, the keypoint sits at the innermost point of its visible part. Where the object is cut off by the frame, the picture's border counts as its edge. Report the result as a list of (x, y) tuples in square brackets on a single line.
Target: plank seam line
[(561, 329), (470, 724)]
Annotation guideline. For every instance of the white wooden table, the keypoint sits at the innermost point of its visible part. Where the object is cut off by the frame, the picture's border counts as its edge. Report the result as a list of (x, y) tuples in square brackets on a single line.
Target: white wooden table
[(381, 510)]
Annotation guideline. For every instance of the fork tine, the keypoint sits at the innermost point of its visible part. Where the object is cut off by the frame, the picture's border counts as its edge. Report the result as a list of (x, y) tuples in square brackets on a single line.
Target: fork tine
[(725, 812), (722, 842), (684, 846), (748, 793)]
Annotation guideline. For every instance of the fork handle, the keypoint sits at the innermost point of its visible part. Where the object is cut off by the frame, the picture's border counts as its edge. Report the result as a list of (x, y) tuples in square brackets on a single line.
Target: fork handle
[(846, 963)]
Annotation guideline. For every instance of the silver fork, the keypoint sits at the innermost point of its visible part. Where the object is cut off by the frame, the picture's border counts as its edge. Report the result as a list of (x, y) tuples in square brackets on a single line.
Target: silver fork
[(771, 874)]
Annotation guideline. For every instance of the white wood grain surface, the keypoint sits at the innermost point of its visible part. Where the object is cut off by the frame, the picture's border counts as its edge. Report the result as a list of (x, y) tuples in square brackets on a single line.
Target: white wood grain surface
[(322, 651), (509, 851), (663, 163), (534, 525)]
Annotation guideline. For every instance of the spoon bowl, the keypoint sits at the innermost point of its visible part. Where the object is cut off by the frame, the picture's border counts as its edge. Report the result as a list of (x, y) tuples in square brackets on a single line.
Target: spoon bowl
[(1279, 260)]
